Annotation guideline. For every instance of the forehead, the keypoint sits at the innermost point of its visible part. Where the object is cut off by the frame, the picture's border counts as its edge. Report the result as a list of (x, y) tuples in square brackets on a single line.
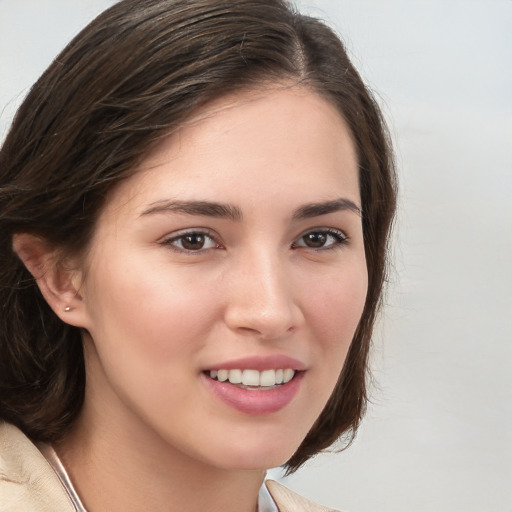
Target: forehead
[(260, 114), (274, 144)]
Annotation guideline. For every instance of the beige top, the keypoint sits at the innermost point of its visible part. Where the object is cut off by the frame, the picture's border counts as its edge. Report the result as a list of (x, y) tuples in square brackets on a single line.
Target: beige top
[(33, 482)]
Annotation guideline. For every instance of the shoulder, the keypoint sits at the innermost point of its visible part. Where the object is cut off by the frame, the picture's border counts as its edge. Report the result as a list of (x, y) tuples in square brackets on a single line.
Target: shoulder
[(27, 481), (289, 501)]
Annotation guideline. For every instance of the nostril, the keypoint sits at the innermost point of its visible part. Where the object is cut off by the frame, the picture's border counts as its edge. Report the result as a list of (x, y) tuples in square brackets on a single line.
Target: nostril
[(266, 331)]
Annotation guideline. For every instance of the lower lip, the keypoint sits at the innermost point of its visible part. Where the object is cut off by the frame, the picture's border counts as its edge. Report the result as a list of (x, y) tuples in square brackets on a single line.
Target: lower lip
[(255, 402)]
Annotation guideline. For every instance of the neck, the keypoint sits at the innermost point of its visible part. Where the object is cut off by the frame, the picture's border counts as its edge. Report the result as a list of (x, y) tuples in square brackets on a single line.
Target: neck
[(132, 468), (127, 475)]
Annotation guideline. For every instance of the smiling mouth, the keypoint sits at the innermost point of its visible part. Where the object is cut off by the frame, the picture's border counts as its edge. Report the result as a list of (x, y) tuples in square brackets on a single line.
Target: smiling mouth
[(253, 379)]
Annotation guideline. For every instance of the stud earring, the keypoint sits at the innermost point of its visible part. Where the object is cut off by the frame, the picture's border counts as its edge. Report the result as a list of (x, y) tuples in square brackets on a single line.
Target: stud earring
[(67, 309)]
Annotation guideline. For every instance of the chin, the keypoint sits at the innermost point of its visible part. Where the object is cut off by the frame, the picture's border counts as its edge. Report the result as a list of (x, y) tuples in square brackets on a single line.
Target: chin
[(256, 462), (260, 454)]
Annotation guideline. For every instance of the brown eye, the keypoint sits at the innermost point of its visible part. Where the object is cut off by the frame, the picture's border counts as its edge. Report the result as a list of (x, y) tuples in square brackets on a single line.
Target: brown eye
[(315, 240), (321, 239), (192, 242)]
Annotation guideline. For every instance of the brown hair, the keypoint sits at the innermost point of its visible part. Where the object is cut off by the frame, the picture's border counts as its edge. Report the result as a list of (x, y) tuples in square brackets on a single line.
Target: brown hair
[(130, 77)]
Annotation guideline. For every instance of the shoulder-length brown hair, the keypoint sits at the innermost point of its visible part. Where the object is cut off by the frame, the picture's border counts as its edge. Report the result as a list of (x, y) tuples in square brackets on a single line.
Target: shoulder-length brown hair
[(129, 78)]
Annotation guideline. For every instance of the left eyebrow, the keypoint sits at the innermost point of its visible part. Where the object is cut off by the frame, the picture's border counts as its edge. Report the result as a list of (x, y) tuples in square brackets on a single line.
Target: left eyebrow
[(316, 209)]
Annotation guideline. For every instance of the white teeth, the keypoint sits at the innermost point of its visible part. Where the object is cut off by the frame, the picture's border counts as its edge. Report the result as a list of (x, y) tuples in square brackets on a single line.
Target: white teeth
[(254, 378), (268, 378), (288, 375), (222, 375), (251, 378), (235, 376)]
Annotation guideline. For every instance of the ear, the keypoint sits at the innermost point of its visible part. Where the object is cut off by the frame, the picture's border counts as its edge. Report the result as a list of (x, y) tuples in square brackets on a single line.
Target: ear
[(59, 285)]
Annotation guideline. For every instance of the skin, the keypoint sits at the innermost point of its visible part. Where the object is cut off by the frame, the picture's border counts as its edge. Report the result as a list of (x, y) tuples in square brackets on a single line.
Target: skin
[(157, 315)]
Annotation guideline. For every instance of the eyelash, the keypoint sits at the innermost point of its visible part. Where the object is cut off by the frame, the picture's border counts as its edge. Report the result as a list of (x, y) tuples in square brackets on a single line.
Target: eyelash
[(171, 242), (339, 239)]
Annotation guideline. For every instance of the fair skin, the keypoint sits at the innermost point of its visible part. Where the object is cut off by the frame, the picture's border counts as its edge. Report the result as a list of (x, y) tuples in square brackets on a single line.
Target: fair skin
[(237, 246)]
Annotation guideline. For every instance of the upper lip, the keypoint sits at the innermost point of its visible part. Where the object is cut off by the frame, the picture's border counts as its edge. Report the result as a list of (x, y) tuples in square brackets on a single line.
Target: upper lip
[(260, 363)]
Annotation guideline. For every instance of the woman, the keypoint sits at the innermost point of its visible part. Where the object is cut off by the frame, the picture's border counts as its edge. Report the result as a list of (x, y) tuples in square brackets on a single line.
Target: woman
[(195, 204)]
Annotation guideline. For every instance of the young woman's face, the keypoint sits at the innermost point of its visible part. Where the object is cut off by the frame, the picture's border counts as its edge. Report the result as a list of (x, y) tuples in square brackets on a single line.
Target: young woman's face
[(234, 254)]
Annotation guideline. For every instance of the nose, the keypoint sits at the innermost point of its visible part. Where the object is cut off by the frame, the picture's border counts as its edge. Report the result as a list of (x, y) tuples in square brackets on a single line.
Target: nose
[(262, 299)]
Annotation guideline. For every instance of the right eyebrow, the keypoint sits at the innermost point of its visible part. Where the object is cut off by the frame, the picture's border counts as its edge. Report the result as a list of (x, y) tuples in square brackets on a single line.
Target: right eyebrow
[(204, 208)]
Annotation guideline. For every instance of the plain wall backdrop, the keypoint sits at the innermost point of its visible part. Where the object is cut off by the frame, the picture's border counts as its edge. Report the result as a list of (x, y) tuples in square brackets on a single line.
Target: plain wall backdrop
[(438, 435)]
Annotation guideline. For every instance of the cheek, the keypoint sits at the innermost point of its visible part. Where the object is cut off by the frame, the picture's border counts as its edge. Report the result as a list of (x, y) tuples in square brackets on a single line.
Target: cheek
[(156, 315), (335, 306), (336, 303), (147, 332)]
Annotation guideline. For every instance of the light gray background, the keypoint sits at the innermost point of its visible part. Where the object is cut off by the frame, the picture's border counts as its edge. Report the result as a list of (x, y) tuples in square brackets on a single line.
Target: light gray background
[(438, 432)]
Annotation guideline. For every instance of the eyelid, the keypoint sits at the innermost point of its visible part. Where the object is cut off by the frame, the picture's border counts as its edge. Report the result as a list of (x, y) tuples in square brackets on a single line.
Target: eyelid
[(172, 237), (340, 236)]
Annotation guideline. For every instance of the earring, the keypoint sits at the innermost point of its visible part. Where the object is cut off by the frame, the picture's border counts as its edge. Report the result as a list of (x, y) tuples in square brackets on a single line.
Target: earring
[(67, 309)]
